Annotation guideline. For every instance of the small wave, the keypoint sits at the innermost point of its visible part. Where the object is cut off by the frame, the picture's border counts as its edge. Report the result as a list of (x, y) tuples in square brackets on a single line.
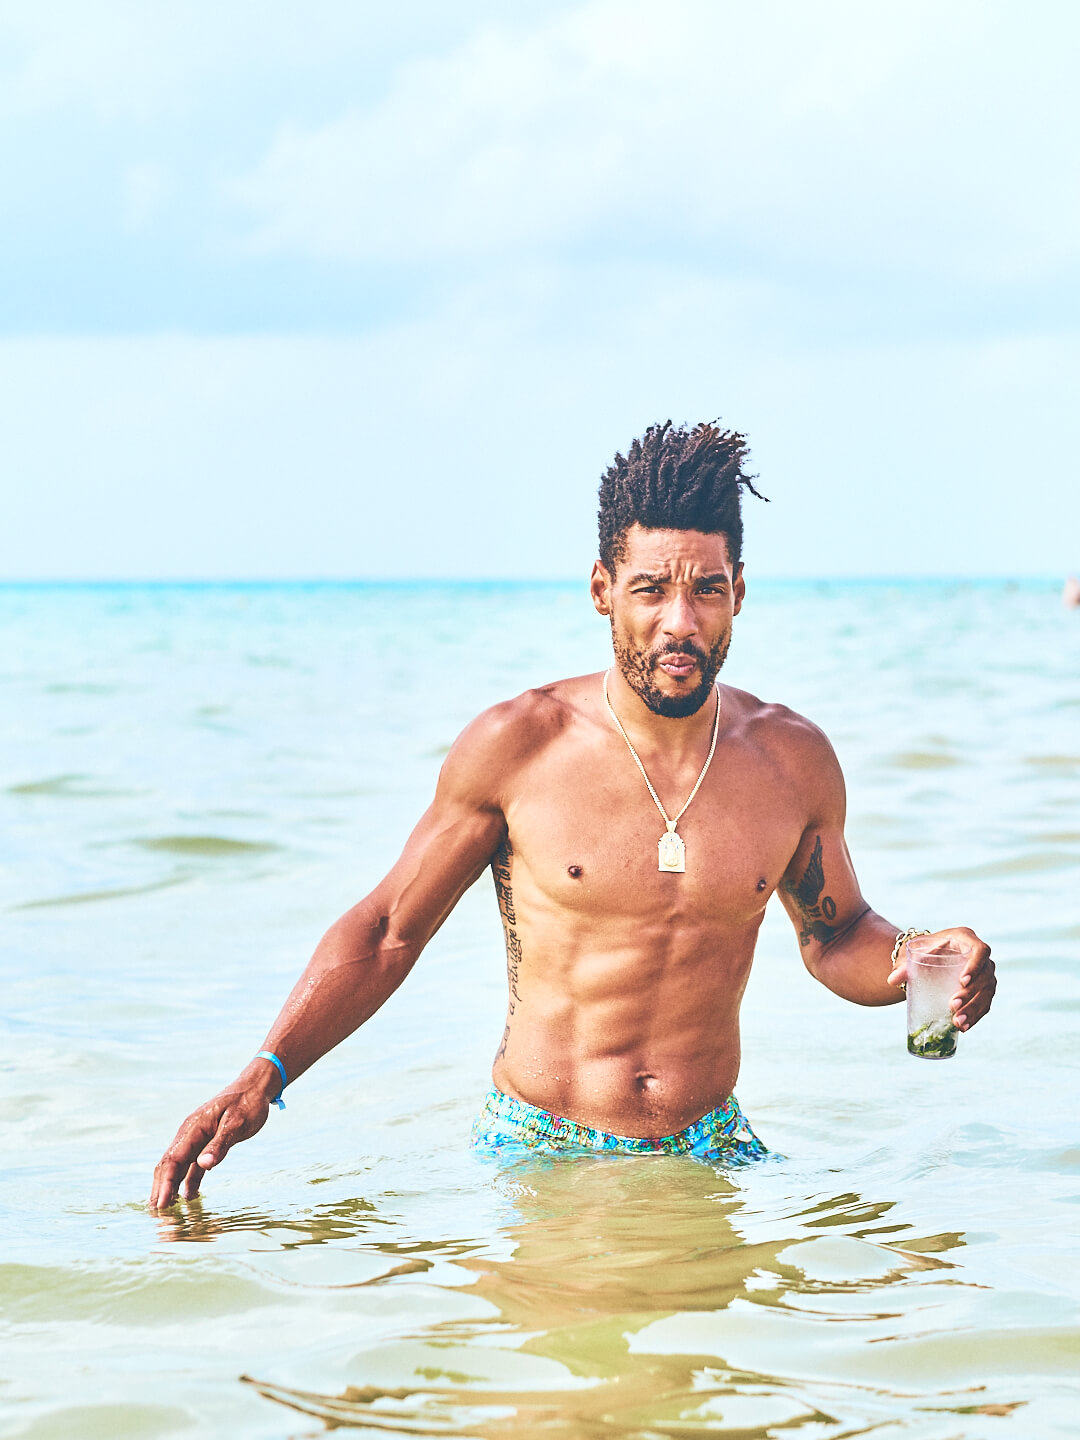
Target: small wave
[(90, 897), (121, 1417), (924, 760), (1067, 932), (73, 687), (1036, 863), (133, 1294), (211, 845), (74, 786)]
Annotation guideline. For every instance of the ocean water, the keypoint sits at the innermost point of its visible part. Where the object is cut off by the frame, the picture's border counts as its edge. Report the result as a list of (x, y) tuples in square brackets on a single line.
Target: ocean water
[(194, 781)]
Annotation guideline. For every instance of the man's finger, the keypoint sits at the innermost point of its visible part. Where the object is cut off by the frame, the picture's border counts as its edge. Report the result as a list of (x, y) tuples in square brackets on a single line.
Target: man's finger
[(174, 1164), (971, 1006), (167, 1179), (975, 1008), (166, 1183), (982, 985), (192, 1180), (231, 1129), (979, 965)]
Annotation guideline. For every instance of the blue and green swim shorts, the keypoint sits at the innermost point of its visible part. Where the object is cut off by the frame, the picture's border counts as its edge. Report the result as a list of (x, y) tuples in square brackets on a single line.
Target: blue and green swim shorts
[(722, 1136)]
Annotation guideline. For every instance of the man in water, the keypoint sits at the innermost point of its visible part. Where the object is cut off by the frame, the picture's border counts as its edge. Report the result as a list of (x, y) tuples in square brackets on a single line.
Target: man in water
[(635, 824)]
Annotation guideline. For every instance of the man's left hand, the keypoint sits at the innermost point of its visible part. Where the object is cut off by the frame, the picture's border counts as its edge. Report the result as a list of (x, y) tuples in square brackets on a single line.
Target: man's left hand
[(977, 983)]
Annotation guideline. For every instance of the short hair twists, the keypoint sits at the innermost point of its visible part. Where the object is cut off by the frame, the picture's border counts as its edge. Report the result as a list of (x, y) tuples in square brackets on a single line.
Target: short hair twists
[(675, 478)]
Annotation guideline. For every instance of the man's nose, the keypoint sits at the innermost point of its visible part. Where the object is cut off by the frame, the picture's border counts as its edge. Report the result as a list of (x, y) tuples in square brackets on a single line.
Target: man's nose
[(680, 621)]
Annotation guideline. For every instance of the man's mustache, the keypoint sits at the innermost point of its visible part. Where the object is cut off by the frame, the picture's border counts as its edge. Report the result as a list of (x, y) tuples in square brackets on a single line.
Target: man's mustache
[(674, 648)]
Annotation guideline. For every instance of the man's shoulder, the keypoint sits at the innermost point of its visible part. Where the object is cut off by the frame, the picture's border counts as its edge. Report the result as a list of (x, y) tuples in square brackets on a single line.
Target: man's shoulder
[(777, 728), (513, 732), (526, 720), (796, 752)]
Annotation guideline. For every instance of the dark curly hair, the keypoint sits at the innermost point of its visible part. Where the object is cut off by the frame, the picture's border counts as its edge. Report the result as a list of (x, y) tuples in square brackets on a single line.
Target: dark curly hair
[(675, 478)]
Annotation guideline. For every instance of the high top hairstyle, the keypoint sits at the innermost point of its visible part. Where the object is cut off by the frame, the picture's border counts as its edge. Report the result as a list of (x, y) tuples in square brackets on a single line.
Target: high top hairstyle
[(675, 478)]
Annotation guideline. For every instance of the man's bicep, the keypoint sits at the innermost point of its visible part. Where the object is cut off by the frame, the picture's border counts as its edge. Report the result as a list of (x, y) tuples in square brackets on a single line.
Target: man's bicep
[(819, 889), (447, 852), (451, 845)]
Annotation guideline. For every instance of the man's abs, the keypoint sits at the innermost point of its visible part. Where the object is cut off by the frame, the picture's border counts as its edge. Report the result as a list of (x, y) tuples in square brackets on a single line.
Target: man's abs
[(622, 1044)]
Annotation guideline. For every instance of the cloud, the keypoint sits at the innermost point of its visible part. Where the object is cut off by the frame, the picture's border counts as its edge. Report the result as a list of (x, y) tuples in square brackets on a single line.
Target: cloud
[(871, 166), (924, 135), (120, 58), (126, 59)]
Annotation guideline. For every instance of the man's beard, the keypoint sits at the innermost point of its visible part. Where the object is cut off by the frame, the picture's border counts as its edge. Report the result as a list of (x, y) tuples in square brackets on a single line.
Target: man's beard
[(638, 668)]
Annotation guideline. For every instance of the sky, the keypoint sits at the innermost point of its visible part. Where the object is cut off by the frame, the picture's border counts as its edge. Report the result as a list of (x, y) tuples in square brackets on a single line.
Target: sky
[(351, 290)]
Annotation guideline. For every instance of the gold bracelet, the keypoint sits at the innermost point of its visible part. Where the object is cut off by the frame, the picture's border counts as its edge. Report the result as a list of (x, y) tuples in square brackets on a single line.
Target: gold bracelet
[(901, 940)]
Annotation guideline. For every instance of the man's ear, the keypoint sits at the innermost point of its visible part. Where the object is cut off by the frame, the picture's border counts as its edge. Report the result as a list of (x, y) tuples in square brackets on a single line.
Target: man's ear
[(600, 583), (738, 590)]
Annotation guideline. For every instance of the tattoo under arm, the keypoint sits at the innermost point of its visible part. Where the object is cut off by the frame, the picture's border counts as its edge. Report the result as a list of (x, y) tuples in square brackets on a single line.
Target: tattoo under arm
[(817, 910), (500, 871)]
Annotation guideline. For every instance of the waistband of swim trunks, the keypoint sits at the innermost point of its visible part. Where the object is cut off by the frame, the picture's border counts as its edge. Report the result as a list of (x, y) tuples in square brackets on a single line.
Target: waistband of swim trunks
[(497, 1104)]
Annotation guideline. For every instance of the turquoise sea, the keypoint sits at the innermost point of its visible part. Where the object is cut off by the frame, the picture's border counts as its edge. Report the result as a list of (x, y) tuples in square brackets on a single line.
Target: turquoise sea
[(195, 780)]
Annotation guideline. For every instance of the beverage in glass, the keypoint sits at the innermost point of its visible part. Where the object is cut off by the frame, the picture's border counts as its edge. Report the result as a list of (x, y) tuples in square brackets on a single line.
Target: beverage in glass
[(934, 969)]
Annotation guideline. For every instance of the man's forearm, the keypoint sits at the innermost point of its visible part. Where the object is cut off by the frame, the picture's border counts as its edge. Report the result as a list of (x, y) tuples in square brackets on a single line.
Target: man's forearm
[(356, 967), (856, 964)]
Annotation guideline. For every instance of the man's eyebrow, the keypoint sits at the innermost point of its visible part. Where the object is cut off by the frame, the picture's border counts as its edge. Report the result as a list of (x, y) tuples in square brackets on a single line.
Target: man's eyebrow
[(720, 577)]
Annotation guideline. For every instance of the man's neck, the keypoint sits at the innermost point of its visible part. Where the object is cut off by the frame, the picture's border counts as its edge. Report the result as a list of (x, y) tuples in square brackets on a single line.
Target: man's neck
[(676, 737)]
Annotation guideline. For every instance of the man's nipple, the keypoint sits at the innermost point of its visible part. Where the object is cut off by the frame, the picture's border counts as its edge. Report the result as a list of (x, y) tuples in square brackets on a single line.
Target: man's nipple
[(575, 872)]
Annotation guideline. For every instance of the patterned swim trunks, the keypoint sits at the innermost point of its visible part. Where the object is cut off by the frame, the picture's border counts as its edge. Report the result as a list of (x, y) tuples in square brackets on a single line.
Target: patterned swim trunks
[(723, 1135)]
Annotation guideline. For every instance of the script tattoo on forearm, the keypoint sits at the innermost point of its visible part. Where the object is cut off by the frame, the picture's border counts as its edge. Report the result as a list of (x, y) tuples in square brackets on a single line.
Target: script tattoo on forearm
[(500, 870), (818, 911)]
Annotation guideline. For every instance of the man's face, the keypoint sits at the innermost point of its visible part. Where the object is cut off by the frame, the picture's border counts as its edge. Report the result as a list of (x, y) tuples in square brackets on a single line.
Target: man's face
[(671, 603)]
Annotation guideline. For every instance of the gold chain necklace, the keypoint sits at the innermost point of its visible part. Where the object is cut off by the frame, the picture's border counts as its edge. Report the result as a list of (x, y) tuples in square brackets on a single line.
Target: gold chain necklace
[(671, 846)]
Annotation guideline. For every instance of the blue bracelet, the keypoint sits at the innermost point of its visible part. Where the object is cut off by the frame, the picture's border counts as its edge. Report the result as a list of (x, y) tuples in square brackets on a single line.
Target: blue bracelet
[(266, 1055)]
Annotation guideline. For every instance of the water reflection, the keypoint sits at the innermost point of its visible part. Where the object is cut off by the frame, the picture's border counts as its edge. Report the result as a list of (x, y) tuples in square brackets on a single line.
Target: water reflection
[(602, 1237), (192, 1222), (593, 1259)]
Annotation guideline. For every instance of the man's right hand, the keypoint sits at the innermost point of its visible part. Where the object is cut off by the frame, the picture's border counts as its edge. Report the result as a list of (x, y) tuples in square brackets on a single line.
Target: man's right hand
[(206, 1137)]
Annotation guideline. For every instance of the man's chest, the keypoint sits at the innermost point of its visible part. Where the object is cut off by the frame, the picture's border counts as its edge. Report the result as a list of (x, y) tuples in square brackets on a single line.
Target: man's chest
[(588, 836)]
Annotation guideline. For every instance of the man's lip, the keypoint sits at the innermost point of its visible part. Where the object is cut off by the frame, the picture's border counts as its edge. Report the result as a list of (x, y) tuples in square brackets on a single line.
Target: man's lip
[(677, 664)]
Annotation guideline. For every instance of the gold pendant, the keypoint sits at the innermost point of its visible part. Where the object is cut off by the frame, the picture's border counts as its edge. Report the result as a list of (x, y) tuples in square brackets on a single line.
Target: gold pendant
[(672, 853)]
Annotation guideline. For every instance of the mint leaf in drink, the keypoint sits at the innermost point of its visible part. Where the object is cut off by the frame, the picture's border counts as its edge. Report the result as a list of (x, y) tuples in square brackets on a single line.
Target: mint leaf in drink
[(933, 1041)]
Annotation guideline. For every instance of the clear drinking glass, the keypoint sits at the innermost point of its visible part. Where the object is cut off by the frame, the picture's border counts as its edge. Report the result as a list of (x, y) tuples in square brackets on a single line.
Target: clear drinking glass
[(933, 978)]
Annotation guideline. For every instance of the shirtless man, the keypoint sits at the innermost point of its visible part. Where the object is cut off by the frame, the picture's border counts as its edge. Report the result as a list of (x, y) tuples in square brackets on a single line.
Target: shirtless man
[(629, 936)]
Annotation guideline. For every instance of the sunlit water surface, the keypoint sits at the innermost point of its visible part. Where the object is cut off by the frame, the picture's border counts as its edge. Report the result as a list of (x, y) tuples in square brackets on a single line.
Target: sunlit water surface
[(195, 781)]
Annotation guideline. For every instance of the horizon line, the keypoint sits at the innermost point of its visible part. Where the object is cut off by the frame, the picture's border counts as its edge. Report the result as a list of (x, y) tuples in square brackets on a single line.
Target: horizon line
[(415, 581)]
